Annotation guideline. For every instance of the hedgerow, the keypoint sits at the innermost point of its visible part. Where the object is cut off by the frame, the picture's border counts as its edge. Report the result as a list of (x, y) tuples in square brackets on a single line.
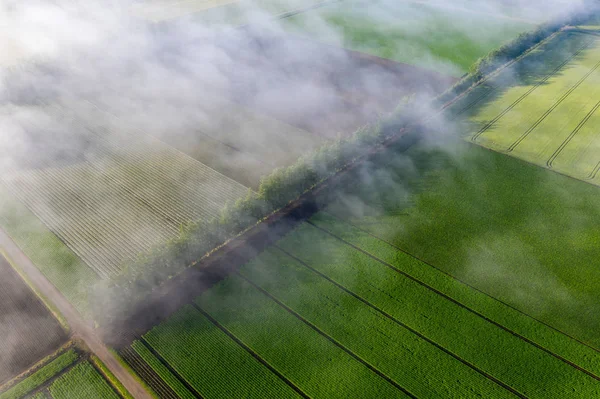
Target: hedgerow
[(286, 184)]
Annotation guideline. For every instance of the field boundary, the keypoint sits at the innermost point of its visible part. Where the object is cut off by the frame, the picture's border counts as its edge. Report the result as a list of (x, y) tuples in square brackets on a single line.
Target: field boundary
[(48, 304), (460, 304), (147, 373), (168, 366), (38, 366), (82, 356), (405, 326)]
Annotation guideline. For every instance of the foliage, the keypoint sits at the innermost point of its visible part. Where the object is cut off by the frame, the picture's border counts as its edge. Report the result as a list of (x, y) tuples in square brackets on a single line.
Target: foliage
[(286, 184)]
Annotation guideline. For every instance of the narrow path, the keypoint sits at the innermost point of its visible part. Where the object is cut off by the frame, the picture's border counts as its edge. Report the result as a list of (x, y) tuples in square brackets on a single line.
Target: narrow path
[(79, 327)]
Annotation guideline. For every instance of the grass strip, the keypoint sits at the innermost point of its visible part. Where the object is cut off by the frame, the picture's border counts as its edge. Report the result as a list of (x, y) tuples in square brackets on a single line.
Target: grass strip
[(110, 377)]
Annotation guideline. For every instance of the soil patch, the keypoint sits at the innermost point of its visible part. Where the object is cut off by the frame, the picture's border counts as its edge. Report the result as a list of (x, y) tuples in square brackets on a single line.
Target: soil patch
[(321, 88), (28, 331)]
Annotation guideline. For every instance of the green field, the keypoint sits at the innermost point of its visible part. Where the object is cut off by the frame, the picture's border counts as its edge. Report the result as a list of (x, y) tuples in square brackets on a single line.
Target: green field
[(442, 38), (548, 114), (71, 374), (445, 270), (39, 377), (423, 331), (82, 381), (407, 275)]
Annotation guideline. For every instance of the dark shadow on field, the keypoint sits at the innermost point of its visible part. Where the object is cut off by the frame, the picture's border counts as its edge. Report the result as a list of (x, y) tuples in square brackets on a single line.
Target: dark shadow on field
[(515, 231), (125, 323), (552, 59)]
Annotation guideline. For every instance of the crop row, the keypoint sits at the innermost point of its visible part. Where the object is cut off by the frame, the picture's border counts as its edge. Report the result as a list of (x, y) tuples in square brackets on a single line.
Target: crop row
[(316, 363), (99, 223), (210, 361), (525, 94), (397, 351), (181, 174), (57, 262), (269, 140), (124, 201), (448, 311), (174, 384), (535, 68), (567, 96), (584, 126), (82, 381), (540, 125)]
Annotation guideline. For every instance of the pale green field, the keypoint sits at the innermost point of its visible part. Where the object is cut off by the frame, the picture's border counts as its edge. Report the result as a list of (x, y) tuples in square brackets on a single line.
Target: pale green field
[(547, 113)]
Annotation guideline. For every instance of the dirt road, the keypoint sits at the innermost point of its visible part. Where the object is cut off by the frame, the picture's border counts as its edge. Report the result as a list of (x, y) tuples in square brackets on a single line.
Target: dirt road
[(79, 327)]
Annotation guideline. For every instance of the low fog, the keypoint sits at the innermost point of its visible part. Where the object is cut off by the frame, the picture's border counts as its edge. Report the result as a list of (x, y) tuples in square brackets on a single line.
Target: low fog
[(88, 86)]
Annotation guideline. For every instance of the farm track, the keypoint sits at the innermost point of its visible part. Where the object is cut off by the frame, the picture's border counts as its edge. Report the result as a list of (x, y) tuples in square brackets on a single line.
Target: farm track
[(170, 369), (532, 89), (470, 105), (79, 328), (488, 81), (456, 302), (152, 189), (405, 326), (573, 134), (552, 108), (147, 374), (594, 172), (328, 337)]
